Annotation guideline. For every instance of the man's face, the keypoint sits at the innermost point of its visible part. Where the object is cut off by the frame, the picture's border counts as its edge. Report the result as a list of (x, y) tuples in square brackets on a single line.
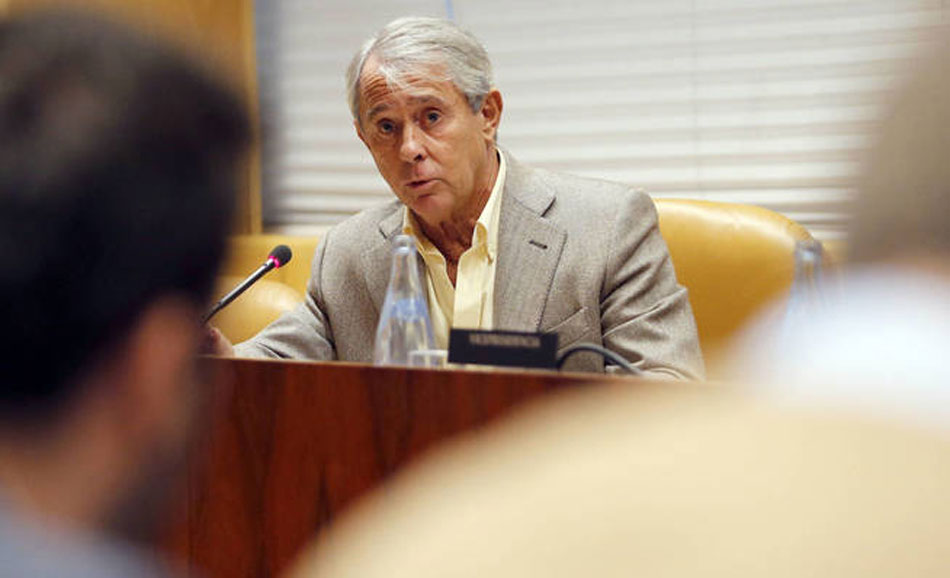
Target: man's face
[(435, 153)]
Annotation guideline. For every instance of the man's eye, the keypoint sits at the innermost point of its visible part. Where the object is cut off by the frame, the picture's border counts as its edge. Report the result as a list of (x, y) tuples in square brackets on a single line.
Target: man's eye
[(386, 127), (433, 116)]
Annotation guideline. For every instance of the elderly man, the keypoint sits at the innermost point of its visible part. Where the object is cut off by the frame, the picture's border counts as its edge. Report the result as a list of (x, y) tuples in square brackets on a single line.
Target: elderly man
[(504, 246), (117, 161)]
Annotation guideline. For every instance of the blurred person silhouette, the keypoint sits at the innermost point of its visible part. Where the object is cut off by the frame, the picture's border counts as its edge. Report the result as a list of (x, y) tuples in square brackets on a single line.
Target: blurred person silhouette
[(878, 341), (658, 480), (688, 480), (117, 160)]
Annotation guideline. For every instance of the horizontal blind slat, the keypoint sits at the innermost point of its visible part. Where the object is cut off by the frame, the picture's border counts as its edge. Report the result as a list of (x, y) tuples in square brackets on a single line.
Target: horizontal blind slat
[(769, 102)]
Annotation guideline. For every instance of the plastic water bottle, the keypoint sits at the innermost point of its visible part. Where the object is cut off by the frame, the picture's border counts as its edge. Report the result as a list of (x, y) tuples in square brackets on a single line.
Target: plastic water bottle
[(404, 324)]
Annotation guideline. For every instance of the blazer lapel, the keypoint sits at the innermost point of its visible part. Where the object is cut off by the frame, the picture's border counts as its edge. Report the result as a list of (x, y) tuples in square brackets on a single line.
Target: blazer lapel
[(529, 248), (377, 260)]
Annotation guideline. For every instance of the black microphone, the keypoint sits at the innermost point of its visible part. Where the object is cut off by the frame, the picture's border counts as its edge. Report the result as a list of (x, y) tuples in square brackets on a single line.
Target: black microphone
[(278, 257)]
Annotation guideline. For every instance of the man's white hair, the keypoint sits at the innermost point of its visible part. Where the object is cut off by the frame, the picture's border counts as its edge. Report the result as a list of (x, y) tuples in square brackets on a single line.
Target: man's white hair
[(432, 48)]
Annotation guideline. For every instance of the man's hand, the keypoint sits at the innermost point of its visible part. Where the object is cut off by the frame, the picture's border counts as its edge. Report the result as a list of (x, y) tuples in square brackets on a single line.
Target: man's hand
[(216, 343)]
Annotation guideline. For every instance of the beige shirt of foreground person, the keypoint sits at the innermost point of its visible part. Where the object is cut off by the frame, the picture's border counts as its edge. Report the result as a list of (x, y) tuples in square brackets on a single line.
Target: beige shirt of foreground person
[(678, 481), (468, 304)]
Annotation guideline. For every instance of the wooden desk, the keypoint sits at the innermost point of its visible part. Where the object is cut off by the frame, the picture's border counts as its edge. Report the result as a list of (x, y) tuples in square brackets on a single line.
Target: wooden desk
[(291, 444)]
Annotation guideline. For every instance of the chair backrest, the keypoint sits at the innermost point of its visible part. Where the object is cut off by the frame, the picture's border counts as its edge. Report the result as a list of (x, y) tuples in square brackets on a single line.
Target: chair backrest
[(282, 289), (734, 259), (254, 309), (247, 252)]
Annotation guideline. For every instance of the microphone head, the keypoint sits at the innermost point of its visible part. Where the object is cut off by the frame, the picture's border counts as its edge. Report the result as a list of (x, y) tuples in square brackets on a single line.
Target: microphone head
[(280, 255)]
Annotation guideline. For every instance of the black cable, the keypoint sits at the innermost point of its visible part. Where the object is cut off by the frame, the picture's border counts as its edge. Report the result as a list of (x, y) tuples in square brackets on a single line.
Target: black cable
[(605, 353)]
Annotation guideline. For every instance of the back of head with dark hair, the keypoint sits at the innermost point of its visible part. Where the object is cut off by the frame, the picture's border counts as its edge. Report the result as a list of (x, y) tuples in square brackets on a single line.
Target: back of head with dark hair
[(117, 165)]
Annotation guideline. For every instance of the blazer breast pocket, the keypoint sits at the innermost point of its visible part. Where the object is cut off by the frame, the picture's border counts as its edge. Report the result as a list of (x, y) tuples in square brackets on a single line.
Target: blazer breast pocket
[(572, 329)]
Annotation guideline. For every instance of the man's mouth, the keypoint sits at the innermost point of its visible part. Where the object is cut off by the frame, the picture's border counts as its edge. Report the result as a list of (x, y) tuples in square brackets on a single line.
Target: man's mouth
[(418, 184)]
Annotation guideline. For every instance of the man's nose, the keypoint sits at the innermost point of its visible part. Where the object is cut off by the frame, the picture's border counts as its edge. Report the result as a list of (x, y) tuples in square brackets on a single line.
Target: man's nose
[(411, 149)]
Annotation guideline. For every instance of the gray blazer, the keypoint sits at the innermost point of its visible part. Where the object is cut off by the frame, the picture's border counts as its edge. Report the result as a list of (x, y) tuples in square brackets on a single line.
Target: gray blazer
[(579, 257)]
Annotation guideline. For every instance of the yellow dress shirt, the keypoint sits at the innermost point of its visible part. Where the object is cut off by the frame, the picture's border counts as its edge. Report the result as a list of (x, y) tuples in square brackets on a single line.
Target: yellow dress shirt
[(469, 303)]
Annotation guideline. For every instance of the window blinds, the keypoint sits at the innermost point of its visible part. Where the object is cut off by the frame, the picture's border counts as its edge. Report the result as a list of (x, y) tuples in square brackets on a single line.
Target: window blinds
[(766, 102)]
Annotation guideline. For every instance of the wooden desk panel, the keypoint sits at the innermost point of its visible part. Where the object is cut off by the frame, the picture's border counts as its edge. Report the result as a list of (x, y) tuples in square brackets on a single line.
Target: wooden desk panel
[(291, 444)]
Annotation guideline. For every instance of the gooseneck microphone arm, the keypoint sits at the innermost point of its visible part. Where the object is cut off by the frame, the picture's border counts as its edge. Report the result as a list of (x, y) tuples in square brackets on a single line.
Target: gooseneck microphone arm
[(277, 258)]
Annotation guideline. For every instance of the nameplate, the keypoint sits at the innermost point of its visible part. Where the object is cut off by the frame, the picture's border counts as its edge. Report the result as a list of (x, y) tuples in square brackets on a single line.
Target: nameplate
[(503, 348)]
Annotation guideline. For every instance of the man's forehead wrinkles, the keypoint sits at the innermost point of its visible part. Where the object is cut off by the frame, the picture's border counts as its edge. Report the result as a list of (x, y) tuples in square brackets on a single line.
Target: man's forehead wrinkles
[(380, 94), (376, 94), (425, 98), (410, 99)]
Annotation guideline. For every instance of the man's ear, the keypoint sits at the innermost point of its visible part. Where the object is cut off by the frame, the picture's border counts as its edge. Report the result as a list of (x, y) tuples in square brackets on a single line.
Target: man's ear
[(156, 371), (491, 113)]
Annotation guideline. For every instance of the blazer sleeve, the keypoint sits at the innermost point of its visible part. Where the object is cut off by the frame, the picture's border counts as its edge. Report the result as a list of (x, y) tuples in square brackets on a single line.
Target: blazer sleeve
[(302, 333), (645, 314)]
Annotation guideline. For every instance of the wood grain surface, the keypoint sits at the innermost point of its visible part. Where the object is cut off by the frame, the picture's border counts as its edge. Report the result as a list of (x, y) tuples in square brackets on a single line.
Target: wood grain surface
[(291, 444)]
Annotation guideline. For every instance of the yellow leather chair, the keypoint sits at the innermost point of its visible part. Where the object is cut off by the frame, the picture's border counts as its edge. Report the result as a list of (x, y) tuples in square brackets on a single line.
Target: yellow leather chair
[(734, 259), (254, 309), (248, 252), (281, 290)]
